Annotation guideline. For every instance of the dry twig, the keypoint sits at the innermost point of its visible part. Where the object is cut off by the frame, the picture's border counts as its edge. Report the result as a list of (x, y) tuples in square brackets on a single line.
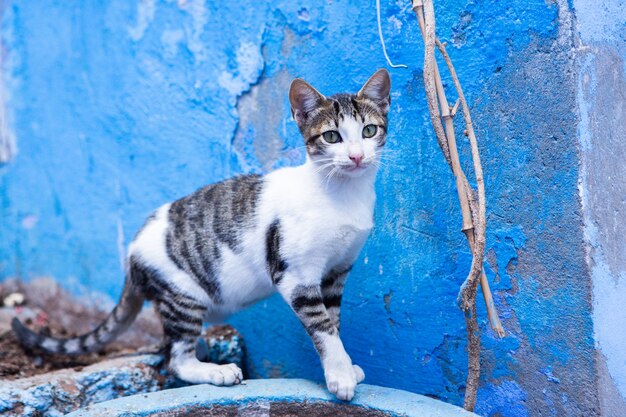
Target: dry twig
[(472, 205)]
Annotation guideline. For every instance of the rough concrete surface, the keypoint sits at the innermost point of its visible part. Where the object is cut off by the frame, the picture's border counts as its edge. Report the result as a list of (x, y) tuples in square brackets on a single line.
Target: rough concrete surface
[(64, 391), (275, 398), (276, 409), (601, 58)]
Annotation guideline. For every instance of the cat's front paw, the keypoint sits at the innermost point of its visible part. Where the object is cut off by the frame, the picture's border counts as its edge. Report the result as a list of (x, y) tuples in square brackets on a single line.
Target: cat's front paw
[(341, 381), (223, 375)]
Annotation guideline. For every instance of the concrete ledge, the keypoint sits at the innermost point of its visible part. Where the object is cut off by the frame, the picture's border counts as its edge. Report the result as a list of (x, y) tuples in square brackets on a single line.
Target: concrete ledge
[(390, 401), (63, 391)]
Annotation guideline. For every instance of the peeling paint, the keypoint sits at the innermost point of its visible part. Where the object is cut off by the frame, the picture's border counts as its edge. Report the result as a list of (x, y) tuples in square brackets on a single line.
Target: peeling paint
[(171, 40), (505, 399), (145, 16), (200, 18), (249, 66), (387, 299), (257, 140)]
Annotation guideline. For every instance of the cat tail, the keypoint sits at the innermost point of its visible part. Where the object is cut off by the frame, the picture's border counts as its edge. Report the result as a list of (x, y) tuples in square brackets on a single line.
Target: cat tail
[(117, 322)]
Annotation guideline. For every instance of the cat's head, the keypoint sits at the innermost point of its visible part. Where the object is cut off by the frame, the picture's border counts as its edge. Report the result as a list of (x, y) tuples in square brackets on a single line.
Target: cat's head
[(343, 133)]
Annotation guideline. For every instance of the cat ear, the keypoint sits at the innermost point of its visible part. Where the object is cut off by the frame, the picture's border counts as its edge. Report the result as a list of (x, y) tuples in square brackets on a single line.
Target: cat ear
[(303, 99), (377, 89)]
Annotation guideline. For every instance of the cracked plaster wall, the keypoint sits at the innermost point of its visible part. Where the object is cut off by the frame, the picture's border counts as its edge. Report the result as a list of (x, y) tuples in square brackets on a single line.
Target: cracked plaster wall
[(121, 107), (601, 57)]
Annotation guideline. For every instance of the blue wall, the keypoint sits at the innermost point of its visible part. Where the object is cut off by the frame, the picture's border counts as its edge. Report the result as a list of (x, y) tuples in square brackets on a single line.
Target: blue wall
[(118, 108), (601, 62)]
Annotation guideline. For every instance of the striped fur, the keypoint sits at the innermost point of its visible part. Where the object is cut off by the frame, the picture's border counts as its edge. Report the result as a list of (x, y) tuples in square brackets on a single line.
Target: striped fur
[(296, 231)]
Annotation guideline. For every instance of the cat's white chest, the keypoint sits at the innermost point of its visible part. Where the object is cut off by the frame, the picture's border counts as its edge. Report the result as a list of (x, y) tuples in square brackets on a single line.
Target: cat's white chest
[(343, 243), (342, 223), (324, 226)]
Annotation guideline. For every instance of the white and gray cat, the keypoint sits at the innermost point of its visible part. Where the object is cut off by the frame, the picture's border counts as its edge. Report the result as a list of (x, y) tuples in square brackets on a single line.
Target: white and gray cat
[(296, 230)]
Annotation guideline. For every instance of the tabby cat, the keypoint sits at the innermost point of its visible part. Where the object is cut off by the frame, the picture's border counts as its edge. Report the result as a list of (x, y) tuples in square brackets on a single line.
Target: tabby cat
[(297, 231)]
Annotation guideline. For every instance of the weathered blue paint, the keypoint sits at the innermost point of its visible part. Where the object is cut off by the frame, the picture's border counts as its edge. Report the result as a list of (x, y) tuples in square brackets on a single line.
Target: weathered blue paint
[(123, 106), (58, 393), (257, 395)]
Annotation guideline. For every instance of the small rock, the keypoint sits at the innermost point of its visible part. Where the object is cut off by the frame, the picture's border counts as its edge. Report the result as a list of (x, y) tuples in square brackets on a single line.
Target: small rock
[(13, 300), (60, 392), (221, 345)]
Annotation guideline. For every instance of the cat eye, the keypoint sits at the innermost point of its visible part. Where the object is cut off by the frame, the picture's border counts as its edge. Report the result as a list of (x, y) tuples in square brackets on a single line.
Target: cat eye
[(332, 136), (369, 131)]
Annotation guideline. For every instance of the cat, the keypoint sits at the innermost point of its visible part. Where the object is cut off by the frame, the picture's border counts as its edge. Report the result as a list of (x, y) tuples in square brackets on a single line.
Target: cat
[(296, 230)]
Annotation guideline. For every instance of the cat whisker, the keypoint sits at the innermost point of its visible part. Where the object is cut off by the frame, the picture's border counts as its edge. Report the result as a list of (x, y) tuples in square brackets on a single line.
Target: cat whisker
[(382, 161), (322, 160), (371, 160), (330, 175), (386, 152), (387, 158), (323, 167)]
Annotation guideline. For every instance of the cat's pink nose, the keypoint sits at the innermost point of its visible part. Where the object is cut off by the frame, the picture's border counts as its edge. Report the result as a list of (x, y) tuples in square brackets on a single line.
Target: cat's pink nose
[(356, 158)]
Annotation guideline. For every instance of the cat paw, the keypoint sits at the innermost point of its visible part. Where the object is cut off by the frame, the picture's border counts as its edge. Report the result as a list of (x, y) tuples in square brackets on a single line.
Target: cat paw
[(358, 373), (226, 375), (342, 383)]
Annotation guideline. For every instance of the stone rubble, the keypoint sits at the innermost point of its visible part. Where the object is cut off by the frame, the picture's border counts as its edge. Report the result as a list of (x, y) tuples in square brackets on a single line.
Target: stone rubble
[(120, 373), (60, 392)]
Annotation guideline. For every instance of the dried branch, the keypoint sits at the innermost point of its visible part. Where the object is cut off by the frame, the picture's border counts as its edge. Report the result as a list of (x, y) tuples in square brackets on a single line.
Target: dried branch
[(472, 205), (481, 222), (430, 66)]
